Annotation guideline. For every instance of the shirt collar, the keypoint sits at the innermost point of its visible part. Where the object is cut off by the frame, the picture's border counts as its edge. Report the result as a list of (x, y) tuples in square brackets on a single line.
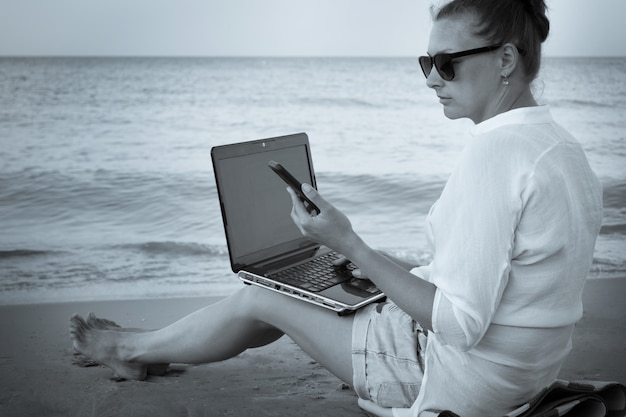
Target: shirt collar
[(522, 115)]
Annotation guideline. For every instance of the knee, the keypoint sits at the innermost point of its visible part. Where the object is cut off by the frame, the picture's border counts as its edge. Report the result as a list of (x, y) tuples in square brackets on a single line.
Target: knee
[(254, 300), (259, 304), (268, 306)]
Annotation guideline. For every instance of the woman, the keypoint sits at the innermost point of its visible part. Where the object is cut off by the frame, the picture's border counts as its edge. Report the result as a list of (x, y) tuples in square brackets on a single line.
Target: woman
[(489, 322)]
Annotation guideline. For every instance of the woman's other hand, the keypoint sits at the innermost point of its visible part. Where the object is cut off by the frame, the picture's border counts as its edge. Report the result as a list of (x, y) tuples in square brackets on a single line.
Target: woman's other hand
[(343, 261)]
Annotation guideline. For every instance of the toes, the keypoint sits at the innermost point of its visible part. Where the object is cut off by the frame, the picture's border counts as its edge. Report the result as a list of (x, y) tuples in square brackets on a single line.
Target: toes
[(77, 326), (101, 324), (92, 319), (77, 332), (77, 320)]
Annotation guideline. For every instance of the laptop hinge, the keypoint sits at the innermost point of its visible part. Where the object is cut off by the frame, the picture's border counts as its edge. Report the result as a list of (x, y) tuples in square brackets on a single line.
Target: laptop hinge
[(282, 261)]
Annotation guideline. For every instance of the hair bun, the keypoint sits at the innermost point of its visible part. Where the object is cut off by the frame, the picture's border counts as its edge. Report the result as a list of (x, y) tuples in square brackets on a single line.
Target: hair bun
[(537, 9)]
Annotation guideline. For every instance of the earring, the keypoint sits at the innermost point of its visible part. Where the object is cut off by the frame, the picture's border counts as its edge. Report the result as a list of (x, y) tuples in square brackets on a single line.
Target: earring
[(505, 80)]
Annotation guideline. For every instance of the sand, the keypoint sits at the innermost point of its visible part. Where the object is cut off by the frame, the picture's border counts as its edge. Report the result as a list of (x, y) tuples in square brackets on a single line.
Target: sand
[(39, 375)]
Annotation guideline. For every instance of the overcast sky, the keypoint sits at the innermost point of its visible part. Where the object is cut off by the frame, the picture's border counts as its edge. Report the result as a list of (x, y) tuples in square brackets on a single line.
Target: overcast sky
[(272, 27)]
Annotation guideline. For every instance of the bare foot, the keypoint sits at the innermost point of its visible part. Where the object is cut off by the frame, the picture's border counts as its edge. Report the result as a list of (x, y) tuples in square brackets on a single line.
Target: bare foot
[(157, 369), (103, 346)]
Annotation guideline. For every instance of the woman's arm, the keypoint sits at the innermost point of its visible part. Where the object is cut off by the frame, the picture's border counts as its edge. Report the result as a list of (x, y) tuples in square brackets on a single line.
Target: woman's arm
[(333, 229), (403, 263)]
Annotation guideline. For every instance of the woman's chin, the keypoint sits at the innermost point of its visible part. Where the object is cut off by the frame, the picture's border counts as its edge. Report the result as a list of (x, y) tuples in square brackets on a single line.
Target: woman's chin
[(451, 114)]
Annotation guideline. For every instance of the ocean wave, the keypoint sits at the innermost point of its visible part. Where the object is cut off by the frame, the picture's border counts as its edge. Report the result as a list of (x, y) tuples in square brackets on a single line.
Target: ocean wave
[(175, 248), (613, 229), (604, 267), (397, 192), (86, 203), (614, 194), (614, 201), (24, 253)]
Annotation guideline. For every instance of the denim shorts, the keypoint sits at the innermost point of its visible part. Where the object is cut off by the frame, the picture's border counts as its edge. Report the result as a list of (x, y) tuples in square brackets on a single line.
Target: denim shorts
[(388, 349)]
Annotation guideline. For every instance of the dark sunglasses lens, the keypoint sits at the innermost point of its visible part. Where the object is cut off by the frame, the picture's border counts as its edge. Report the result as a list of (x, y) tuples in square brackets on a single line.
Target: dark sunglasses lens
[(444, 66), (426, 65)]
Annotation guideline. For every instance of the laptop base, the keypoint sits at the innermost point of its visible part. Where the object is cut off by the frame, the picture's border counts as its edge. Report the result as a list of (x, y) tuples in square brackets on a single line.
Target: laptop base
[(344, 298)]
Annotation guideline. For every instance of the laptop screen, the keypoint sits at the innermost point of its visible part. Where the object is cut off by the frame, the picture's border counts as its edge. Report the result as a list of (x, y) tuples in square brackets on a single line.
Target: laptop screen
[(256, 207)]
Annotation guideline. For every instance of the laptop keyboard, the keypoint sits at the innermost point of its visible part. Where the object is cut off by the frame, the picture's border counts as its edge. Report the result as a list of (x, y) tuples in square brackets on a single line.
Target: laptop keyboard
[(315, 275)]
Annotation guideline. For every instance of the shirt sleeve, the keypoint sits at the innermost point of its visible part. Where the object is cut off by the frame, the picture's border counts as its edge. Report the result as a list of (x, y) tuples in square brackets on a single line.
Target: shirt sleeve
[(473, 231)]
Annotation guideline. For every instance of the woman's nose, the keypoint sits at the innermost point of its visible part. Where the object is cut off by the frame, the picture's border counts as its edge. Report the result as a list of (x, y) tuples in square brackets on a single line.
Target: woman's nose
[(434, 79)]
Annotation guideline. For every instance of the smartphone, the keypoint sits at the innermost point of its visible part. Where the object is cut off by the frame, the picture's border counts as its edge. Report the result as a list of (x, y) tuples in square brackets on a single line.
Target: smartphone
[(295, 186)]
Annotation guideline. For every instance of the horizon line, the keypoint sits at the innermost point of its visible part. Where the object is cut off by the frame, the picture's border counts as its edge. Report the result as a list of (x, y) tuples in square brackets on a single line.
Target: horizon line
[(264, 56)]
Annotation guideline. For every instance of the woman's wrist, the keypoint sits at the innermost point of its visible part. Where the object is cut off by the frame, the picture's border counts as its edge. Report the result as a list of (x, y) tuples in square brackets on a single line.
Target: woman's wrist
[(351, 246), (404, 263)]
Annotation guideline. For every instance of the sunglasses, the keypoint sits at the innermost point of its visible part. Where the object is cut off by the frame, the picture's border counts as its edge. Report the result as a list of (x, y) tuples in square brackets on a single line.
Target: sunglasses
[(443, 62)]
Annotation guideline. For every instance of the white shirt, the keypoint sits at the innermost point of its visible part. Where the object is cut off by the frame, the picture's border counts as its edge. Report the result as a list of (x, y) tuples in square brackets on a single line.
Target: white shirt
[(513, 235)]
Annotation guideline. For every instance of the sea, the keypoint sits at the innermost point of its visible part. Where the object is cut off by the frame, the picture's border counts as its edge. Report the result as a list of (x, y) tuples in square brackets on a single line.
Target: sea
[(106, 182)]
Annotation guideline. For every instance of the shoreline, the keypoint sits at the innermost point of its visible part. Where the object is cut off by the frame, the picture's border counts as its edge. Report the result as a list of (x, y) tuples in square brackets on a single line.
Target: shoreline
[(39, 374)]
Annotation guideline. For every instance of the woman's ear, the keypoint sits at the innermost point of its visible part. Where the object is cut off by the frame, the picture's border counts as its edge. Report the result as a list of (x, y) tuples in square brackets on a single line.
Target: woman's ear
[(510, 58)]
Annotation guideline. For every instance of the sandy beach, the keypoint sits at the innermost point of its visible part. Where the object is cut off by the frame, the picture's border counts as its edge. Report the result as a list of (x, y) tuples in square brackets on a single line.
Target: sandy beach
[(40, 375)]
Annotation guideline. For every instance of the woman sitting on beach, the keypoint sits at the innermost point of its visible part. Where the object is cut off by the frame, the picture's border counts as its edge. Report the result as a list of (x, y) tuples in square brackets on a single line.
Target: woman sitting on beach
[(488, 322)]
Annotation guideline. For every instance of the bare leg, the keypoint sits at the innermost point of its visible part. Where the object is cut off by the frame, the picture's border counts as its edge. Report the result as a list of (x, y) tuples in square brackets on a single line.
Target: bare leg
[(249, 318)]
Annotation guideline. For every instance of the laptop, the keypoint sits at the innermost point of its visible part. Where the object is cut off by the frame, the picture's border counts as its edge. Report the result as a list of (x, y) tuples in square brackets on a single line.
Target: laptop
[(264, 245)]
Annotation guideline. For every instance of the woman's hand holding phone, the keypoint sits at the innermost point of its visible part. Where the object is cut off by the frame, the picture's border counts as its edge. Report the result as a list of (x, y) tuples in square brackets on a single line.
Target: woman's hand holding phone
[(330, 227), (316, 218), (295, 185)]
